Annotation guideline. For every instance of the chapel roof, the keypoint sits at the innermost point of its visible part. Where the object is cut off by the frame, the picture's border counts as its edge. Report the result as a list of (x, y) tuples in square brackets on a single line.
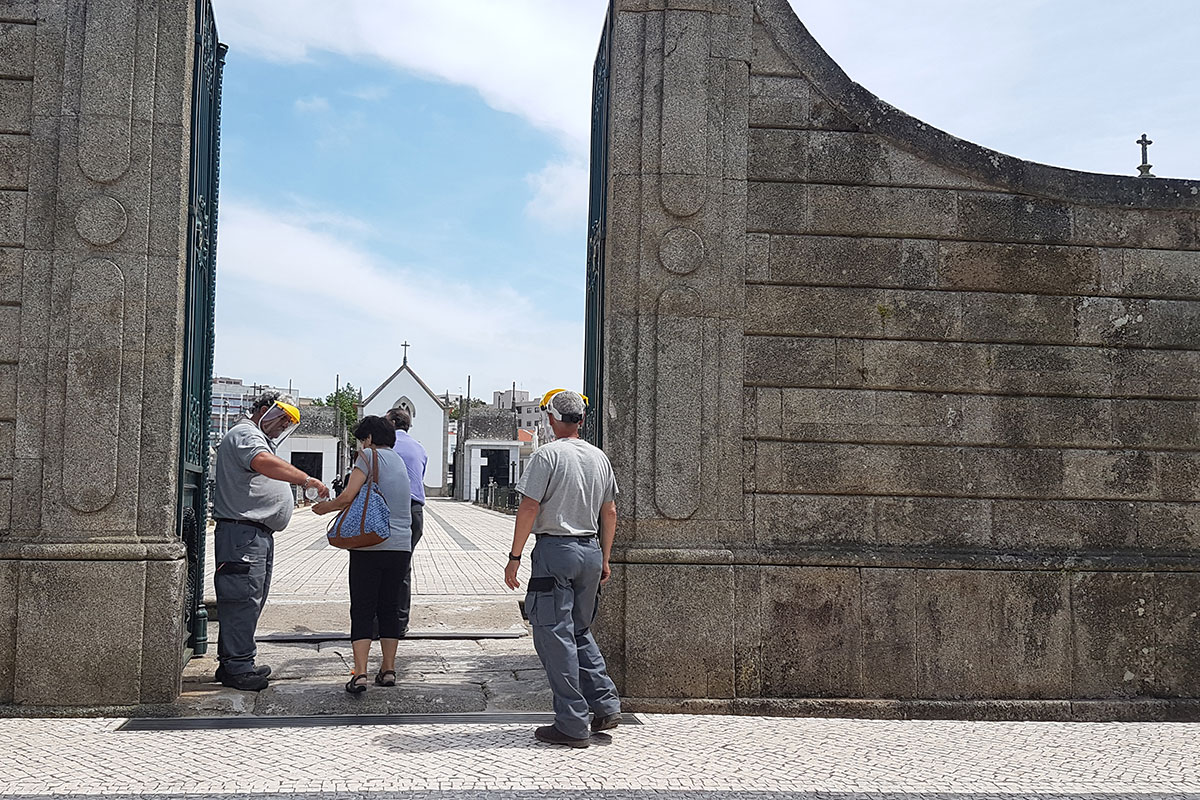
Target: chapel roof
[(406, 368)]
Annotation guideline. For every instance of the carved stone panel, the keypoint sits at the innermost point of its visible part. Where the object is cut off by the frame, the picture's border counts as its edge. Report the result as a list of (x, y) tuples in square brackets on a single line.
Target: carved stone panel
[(678, 404), (91, 417), (106, 94)]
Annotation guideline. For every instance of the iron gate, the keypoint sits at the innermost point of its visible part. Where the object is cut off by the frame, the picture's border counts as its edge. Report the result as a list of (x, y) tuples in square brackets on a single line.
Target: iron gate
[(593, 357), (199, 305)]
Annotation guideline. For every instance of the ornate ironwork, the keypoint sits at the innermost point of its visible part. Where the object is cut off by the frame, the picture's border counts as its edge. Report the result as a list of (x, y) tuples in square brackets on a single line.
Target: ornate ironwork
[(199, 308), (593, 357)]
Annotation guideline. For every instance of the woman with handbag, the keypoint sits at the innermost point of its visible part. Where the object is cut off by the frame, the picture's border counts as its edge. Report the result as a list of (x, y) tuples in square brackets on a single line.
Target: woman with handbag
[(378, 558)]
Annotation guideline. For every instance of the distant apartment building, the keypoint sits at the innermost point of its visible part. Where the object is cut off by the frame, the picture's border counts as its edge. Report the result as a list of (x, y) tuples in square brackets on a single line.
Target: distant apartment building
[(530, 417), (231, 401), (505, 399)]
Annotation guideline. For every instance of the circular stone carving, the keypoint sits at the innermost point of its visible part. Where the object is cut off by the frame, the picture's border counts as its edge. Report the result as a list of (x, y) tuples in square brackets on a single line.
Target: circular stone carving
[(681, 251), (101, 220)]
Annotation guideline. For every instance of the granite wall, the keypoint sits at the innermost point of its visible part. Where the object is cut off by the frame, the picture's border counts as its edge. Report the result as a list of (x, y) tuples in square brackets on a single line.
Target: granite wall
[(905, 425), (94, 147)]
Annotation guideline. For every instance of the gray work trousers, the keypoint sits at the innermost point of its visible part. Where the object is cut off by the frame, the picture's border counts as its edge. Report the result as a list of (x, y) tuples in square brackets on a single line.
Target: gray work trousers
[(561, 604), (244, 555), (418, 527)]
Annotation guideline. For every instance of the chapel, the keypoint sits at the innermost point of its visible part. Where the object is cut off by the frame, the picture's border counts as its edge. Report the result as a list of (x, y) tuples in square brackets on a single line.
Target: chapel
[(430, 419)]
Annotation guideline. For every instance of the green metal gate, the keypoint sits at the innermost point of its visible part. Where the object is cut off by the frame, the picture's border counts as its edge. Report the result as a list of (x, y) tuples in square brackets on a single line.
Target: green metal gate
[(198, 323), (593, 357)]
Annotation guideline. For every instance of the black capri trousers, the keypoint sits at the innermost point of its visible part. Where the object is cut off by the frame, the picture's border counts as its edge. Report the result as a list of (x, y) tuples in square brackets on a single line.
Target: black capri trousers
[(376, 582)]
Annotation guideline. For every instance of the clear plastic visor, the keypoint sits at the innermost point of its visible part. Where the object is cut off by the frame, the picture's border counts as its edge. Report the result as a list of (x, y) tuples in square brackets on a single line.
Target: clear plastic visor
[(277, 424)]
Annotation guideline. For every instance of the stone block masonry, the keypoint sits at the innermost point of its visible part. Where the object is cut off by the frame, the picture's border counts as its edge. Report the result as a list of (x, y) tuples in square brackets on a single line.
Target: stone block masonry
[(899, 418), (94, 148)]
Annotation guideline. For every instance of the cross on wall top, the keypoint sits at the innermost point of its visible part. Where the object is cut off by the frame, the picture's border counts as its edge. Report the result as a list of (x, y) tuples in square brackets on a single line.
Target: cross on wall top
[(1144, 169), (405, 345)]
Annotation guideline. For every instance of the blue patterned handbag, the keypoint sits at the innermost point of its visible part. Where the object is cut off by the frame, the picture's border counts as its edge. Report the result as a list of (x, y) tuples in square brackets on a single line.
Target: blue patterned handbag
[(368, 520)]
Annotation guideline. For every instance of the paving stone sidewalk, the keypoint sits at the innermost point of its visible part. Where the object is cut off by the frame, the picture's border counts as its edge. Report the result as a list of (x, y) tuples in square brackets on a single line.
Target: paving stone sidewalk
[(462, 552), (668, 756)]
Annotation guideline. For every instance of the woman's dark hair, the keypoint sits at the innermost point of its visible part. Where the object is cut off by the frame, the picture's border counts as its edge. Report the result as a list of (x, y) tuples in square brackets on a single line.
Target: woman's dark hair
[(382, 432)]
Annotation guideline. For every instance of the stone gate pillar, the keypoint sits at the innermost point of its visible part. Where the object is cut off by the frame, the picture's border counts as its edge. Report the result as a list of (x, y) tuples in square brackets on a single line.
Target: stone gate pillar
[(673, 339), (95, 102)]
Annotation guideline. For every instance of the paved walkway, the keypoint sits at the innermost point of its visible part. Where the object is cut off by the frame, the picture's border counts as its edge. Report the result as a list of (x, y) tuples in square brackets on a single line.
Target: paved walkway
[(462, 553), (668, 756)]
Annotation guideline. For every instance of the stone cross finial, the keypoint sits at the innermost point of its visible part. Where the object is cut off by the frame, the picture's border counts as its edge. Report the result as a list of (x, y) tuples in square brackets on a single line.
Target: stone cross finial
[(1144, 169), (405, 345)]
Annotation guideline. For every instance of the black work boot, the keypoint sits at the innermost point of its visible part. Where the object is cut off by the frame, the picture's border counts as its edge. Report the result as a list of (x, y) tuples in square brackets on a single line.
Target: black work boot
[(261, 669), (552, 735), (606, 722), (245, 681)]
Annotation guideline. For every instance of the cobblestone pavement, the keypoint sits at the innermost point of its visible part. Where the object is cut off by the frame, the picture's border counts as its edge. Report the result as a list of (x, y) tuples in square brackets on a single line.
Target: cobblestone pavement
[(462, 553), (671, 756)]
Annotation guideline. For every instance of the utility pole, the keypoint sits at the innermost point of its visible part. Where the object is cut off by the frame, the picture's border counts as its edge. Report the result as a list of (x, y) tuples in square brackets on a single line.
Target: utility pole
[(337, 424)]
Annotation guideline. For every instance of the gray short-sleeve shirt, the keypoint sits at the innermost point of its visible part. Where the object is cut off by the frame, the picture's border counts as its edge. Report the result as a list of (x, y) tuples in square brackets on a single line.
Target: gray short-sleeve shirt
[(242, 493), (571, 480)]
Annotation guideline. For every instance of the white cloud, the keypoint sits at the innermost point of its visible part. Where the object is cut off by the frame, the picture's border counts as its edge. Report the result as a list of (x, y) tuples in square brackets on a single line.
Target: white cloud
[(311, 105), (532, 58), (302, 304), (560, 197), (528, 57)]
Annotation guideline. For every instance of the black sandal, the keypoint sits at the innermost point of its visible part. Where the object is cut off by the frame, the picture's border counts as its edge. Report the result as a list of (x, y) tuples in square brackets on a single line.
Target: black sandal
[(380, 680), (353, 686)]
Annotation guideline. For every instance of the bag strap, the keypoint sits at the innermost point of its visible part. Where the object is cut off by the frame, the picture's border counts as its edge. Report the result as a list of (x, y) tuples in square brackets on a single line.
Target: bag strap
[(372, 478)]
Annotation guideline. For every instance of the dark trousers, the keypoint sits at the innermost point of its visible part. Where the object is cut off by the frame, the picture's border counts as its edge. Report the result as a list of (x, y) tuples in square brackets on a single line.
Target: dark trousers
[(244, 555), (375, 581), (418, 527)]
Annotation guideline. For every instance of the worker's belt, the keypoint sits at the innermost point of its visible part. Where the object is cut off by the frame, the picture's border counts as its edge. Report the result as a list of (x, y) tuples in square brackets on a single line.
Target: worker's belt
[(250, 522), (564, 536)]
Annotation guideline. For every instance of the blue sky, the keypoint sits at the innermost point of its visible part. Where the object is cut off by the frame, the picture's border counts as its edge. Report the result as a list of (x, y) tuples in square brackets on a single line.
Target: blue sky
[(416, 171)]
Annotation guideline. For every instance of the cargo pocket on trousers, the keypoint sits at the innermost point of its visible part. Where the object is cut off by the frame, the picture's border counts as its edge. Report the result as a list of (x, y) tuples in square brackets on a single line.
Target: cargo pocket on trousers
[(232, 581), (541, 605)]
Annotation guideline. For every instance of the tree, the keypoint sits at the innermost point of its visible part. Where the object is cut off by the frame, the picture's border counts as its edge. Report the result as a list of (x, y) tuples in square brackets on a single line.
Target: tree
[(475, 403), (346, 399)]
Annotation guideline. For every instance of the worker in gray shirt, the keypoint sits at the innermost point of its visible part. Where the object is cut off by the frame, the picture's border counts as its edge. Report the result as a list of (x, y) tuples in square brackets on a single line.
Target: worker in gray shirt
[(569, 503), (251, 502)]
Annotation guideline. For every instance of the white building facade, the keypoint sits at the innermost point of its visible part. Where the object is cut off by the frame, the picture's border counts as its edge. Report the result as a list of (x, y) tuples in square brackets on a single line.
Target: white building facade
[(316, 455), (430, 418)]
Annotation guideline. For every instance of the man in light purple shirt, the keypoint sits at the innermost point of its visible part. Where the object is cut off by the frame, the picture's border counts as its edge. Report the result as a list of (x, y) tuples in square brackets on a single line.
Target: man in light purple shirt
[(414, 459)]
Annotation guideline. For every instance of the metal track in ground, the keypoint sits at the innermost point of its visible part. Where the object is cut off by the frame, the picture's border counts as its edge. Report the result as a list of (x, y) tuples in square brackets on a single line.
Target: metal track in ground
[(308, 637), (338, 720)]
